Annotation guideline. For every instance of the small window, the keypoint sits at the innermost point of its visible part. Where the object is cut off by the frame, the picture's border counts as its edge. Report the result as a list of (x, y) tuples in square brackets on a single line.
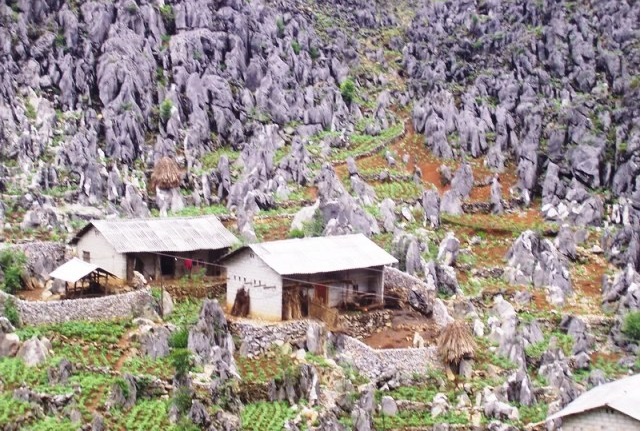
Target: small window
[(86, 256)]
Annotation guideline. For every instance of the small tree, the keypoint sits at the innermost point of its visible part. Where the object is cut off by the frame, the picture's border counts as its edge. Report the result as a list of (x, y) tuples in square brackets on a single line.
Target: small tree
[(13, 264), (11, 311), (165, 109), (631, 326), (348, 90)]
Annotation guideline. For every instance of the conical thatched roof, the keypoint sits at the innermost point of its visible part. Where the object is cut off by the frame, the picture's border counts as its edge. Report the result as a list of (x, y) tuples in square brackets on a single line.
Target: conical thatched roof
[(166, 174), (456, 343)]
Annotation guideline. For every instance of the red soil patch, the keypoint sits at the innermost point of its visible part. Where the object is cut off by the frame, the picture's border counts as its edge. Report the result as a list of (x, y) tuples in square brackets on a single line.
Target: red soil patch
[(401, 332), (539, 299), (605, 356), (412, 144), (311, 193), (31, 295), (272, 228), (420, 156), (586, 281)]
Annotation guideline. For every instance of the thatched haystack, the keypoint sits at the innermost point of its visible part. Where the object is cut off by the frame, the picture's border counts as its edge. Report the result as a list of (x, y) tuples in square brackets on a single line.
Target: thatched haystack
[(241, 303), (455, 344), (166, 174)]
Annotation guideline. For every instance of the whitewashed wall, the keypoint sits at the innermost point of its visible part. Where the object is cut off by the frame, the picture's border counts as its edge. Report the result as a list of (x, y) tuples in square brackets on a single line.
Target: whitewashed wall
[(265, 286), (102, 253)]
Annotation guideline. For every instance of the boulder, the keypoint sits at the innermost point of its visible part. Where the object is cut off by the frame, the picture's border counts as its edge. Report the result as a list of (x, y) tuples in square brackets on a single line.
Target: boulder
[(9, 344), (431, 203), (388, 406), (316, 339), (33, 352), (154, 343), (167, 304), (448, 250)]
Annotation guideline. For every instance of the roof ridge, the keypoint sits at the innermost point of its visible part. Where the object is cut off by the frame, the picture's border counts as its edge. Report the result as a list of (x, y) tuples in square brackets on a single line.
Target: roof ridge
[(123, 220)]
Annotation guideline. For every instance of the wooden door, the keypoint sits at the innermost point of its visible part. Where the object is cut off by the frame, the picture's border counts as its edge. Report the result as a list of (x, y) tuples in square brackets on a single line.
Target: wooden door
[(320, 293)]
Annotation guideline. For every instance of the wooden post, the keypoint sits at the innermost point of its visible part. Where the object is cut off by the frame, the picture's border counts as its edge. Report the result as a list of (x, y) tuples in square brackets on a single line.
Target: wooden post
[(157, 270), (162, 293)]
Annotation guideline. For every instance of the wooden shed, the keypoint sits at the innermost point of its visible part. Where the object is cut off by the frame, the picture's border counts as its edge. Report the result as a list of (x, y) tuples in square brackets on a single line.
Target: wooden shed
[(82, 277)]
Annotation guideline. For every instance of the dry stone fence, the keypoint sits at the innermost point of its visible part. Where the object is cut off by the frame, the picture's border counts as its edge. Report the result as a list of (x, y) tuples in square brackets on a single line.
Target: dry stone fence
[(118, 306)]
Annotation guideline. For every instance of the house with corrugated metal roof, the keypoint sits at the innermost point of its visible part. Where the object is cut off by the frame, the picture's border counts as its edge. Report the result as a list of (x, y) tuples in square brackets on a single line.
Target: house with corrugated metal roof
[(305, 277), (610, 406), (155, 247)]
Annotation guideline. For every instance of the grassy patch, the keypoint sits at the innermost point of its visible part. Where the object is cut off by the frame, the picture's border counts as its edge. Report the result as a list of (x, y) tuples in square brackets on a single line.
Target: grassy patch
[(108, 332), (160, 368), (50, 423), (13, 372), (407, 419), (423, 394), (145, 415), (263, 369), (12, 409), (398, 190), (185, 312), (362, 144), (210, 160), (533, 414), (264, 416)]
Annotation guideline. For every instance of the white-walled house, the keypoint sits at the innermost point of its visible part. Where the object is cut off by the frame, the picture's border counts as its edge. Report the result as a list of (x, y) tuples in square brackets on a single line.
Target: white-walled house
[(155, 247), (325, 271), (610, 406)]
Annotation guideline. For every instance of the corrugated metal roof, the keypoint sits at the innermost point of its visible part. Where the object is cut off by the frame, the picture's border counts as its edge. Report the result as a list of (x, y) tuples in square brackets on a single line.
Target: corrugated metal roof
[(623, 395), (165, 234), (74, 270), (322, 254)]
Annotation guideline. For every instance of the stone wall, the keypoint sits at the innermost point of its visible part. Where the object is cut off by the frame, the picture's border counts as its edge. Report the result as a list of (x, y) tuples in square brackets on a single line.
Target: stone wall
[(259, 337), (364, 324), (397, 279), (373, 362), (103, 308)]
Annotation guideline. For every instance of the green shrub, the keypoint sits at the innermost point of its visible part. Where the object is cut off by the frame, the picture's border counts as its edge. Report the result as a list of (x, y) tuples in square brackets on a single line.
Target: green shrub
[(631, 326), (296, 233), (124, 387), (348, 90), (167, 12), (296, 47), (185, 424), (11, 312), (30, 111), (280, 28), (314, 53), (179, 339), (315, 226), (534, 413), (182, 399), (165, 109), (12, 263), (181, 360)]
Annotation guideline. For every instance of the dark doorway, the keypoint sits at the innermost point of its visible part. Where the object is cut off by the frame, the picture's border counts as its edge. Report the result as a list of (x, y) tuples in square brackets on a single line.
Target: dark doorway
[(167, 265)]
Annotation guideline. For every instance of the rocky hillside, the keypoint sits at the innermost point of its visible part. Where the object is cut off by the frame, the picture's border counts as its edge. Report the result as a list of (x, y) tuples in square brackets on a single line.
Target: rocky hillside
[(492, 147)]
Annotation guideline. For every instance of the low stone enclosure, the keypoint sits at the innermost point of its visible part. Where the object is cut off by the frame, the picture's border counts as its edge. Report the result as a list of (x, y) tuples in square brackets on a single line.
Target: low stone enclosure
[(119, 306), (257, 338)]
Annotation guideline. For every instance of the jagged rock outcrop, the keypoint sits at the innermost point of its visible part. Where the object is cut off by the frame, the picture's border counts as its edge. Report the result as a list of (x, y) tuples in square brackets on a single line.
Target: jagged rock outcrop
[(210, 340), (534, 260)]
